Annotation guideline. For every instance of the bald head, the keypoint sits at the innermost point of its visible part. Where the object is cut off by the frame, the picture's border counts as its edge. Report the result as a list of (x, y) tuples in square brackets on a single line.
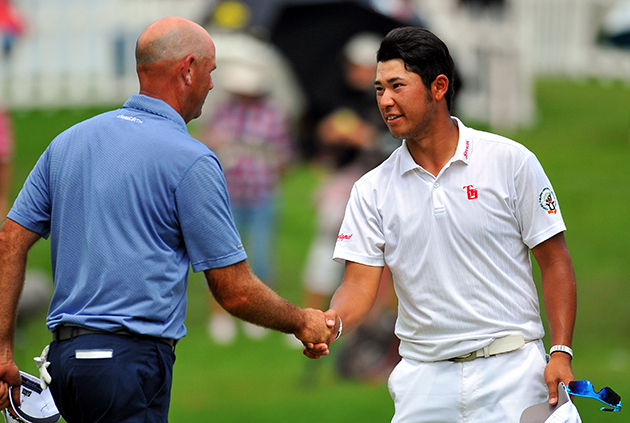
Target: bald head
[(170, 39), (175, 58)]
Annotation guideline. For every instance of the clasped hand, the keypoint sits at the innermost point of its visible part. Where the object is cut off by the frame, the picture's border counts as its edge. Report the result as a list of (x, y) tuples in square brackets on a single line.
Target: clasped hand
[(318, 347)]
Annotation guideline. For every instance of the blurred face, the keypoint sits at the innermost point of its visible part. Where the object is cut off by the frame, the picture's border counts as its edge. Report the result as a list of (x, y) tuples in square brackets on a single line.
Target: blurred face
[(361, 78), (407, 106)]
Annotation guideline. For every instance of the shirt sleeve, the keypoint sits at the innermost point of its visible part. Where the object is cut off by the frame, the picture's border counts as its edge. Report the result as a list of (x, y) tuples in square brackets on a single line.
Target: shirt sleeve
[(32, 208), (361, 237), (203, 208), (536, 204)]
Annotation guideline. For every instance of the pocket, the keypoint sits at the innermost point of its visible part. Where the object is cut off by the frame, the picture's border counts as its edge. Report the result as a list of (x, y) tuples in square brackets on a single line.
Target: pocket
[(392, 381), (158, 386), (540, 347)]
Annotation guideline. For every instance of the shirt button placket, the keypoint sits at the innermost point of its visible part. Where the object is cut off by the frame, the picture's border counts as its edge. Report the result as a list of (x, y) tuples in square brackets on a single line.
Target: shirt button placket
[(437, 195)]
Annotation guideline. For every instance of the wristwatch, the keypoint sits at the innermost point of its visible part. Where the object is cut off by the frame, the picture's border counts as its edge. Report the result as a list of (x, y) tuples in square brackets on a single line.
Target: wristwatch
[(340, 329), (561, 348)]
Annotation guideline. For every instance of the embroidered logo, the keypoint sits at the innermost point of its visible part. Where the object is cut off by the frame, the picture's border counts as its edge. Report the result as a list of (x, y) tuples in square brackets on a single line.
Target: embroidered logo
[(130, 118), (471, 192), (466, 149), (547, 201), (343, 237)]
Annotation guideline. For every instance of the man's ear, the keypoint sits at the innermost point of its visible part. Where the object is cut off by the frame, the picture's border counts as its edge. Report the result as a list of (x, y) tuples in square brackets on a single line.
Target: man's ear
[(439, 87), (187, 69)]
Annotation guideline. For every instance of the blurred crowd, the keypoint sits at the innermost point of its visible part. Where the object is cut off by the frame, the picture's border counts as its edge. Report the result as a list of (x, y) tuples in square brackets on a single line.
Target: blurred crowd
[(302, 94), (265, 116)]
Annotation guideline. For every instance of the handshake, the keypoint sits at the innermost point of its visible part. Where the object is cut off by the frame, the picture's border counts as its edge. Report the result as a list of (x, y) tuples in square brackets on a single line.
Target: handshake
[(318, 331)]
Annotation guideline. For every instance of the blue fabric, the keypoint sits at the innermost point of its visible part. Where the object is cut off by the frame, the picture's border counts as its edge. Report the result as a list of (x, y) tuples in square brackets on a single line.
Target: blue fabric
[(134, 385), (130, 200)]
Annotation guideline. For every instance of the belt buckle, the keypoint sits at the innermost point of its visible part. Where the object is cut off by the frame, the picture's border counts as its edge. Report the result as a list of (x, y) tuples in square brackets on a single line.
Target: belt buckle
[(464, 358)]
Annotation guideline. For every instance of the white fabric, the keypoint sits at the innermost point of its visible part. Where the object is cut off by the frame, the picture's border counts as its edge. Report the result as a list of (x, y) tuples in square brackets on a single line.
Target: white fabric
[(566, 413), (321, 274), (42, 365), (37, 405), (563, 412), (487, 390), (457, 244)]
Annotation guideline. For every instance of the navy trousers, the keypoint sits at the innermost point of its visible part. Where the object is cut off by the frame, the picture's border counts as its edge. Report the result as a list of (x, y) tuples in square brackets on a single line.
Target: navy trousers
[(111, 378)]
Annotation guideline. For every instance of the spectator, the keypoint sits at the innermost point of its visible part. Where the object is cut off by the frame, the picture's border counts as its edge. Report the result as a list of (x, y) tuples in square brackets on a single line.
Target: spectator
[(253, 140), (11, 25), (353, 139), (6, 162)]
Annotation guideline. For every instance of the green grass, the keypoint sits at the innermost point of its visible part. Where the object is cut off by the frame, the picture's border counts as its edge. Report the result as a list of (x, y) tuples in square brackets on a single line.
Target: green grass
[(582, 138)]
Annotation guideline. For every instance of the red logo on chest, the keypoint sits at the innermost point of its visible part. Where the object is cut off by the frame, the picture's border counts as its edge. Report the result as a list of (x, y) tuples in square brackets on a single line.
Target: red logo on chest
[(471, 192)]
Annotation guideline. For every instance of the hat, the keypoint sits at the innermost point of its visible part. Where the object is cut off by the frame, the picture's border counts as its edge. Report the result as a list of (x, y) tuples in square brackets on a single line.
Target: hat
[(244, 78), (361, 49), (37, 404), (563, 412)]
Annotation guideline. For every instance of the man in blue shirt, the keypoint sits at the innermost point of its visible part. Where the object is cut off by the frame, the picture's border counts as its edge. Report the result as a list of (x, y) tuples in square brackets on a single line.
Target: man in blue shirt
[(129, 201)]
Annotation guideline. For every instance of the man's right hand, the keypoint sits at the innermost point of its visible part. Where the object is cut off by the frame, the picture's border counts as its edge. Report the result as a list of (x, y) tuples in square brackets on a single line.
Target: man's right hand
[(9, 376), (317, 329), (317, 350)]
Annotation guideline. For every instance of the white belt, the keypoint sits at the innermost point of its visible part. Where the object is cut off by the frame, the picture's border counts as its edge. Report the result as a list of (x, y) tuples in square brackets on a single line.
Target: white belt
[(498, 346)]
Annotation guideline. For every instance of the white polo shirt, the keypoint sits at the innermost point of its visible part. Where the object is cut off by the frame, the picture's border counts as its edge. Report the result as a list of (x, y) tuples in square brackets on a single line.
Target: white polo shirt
[(457, 244)]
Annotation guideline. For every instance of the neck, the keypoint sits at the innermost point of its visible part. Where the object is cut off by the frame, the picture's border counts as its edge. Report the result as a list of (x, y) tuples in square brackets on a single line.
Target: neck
[(437, 146), (160, 84)]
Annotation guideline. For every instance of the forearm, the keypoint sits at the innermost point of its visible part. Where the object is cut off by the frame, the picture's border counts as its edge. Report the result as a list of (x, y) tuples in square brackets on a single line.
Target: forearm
[(559, 289), (559, 293), (243, 295), (351, 305), (354, 299), (14, 244), (560, 296), (259, 304)]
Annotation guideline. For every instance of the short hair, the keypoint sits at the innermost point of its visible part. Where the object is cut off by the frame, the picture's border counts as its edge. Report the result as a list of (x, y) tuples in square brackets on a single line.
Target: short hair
[(423, 53)]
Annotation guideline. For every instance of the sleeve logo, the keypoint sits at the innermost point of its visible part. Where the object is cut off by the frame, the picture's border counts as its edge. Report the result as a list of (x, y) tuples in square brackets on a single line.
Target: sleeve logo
[(547, 201), (343, 237)]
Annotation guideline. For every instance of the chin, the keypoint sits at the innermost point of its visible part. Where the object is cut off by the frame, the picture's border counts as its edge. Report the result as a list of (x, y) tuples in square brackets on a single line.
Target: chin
[(397, 135)]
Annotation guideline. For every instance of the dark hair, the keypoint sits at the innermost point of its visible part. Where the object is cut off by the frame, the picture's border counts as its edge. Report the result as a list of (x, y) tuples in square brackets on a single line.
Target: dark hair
[(423, 53)]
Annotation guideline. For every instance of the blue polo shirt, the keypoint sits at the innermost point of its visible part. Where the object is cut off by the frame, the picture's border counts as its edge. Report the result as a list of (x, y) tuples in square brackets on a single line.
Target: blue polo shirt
[(129, 200)]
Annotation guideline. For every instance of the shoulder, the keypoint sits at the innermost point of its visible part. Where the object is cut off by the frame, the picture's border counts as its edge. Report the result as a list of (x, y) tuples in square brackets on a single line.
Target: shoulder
[(497, 144)]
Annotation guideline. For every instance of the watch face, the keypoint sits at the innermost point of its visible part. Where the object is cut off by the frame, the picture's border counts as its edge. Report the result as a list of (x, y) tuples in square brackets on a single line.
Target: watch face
[(37, 404)]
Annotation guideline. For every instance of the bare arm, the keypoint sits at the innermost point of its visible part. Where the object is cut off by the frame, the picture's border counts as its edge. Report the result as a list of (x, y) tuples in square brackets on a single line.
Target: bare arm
[(352, 301), (560, 296), (245, 296), (15, 241)]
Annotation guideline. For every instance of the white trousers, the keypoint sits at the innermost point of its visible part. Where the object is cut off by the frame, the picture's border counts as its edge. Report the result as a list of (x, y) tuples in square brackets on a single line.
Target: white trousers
[(487, 390)]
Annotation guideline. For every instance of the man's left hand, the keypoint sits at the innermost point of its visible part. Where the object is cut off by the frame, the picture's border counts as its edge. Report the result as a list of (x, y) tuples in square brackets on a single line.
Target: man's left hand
[(558, 370)]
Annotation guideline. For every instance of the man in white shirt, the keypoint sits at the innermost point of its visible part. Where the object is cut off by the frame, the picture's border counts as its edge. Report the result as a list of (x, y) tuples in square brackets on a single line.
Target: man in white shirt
[(454, 213)]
